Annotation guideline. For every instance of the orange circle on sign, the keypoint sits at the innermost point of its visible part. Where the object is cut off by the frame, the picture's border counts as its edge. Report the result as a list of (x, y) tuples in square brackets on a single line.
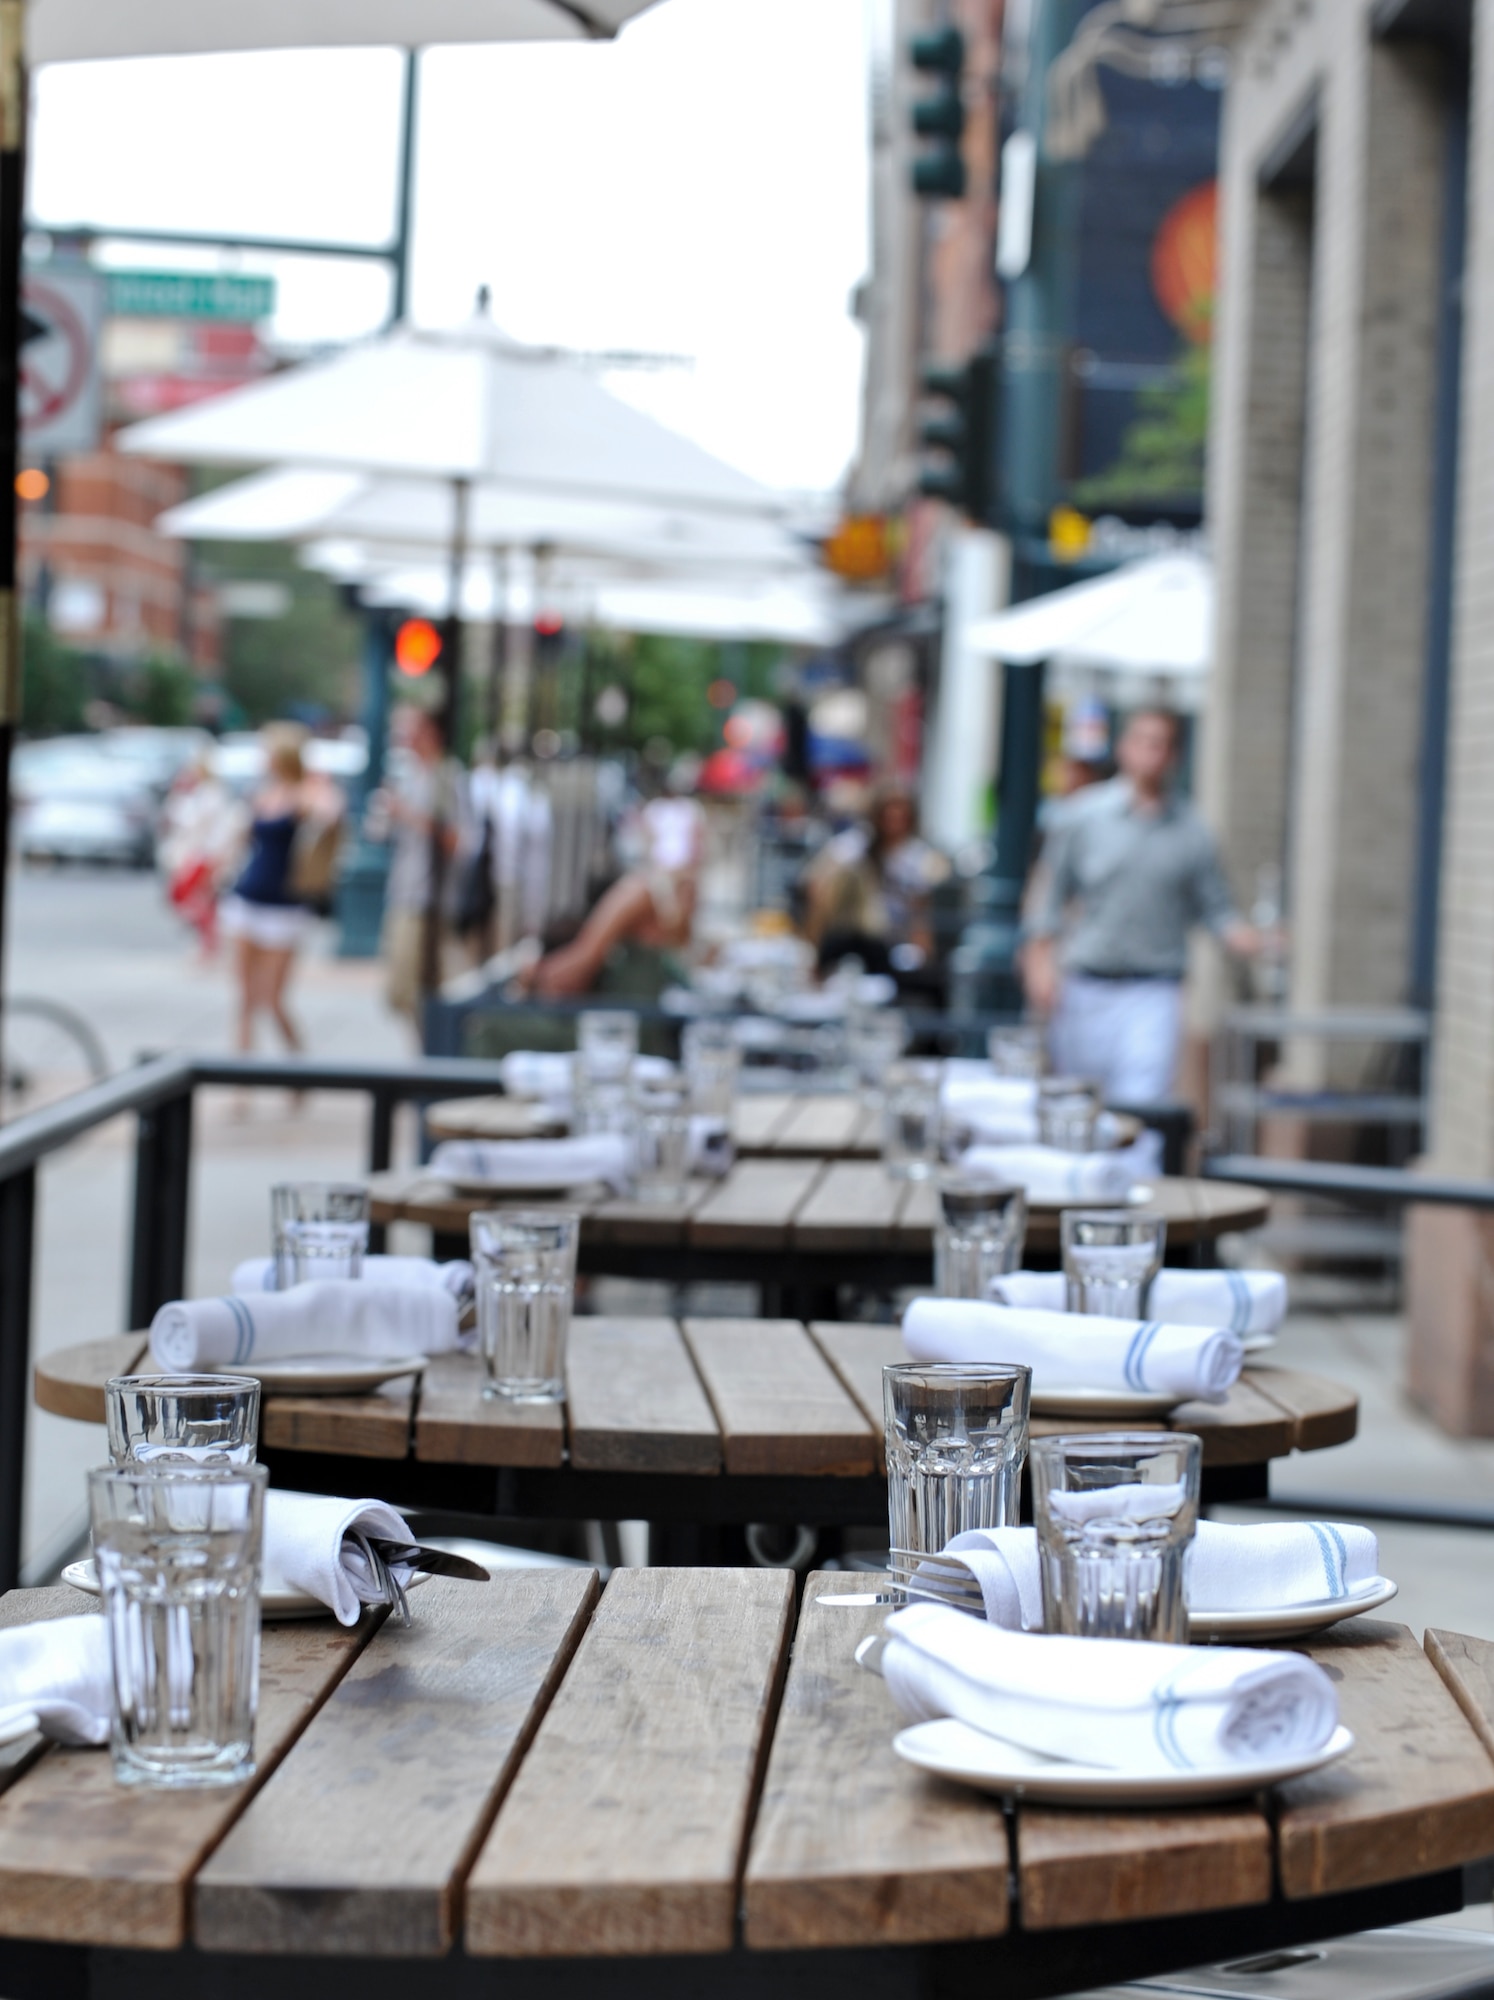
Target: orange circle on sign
[(417, 646), (32, 483), (1184, 262)]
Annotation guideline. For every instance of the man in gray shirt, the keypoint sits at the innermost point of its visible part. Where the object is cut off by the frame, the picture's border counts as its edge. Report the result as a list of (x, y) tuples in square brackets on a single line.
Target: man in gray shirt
[(1129, 870)]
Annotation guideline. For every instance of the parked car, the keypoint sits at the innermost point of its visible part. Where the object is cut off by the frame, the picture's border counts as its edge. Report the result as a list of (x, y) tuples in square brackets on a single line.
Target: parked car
[(72, 801), (156, 756)]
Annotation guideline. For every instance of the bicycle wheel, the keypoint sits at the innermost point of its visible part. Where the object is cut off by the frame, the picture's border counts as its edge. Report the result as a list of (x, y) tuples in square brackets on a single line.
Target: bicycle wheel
[(47, 1051)]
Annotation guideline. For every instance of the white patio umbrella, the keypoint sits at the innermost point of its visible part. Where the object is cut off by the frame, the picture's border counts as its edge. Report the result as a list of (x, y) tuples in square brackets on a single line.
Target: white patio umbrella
[(464, 406), (83, 30), (1154, 616)]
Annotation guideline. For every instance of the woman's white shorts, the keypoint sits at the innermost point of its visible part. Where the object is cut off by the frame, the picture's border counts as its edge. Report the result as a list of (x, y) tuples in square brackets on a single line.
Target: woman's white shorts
[(272, 926)]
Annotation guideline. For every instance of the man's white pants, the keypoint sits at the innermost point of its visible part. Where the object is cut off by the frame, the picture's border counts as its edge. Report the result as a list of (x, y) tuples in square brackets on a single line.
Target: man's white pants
[(1124, 1033)]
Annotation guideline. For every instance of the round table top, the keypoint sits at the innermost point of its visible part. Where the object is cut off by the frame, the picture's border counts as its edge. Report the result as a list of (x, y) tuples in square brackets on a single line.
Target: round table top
[(807, 1205)]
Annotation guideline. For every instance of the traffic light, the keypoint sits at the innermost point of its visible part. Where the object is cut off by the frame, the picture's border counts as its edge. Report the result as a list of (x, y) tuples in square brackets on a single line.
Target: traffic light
[(964, 435), (939, 172), (417, 647), (549, 637)]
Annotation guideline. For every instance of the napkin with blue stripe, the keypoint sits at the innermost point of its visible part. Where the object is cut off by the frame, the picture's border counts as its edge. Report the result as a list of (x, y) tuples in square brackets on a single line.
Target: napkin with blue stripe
[(1079, 1350)]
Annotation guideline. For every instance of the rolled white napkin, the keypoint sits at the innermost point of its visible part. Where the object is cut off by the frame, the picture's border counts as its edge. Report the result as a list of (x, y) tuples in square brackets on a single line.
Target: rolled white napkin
[(1228, 1567), (1078, 1350), (537, 1163), (1051, 1175), (1148, 1709), (257, 1274), (1250, 1303), (333, 1317), (55, 1676), (998, 1110), (310, 1541)]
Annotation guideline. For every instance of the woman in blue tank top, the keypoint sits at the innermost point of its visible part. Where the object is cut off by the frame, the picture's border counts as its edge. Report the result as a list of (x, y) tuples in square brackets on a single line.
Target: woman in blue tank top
[(263, 914)]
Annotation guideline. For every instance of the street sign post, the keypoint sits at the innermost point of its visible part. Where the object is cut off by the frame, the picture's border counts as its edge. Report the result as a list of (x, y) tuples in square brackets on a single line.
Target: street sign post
[(189, 295)]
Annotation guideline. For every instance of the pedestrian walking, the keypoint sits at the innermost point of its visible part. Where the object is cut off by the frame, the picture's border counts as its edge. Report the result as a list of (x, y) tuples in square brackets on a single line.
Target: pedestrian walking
[(1129, 870), (202, 834), (422, 804)]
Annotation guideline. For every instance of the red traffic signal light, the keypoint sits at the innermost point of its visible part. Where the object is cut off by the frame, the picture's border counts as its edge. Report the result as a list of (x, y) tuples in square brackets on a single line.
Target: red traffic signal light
[(417, 646)]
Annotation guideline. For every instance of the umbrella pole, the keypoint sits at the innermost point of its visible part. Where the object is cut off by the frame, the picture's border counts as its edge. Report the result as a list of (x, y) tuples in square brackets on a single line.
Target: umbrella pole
[(449, 722), (13, 89)]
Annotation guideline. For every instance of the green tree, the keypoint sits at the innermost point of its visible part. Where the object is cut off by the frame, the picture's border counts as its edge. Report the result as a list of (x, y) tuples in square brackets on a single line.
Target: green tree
[(1163, 451), (307, 659), (163, 691), (54, 682)]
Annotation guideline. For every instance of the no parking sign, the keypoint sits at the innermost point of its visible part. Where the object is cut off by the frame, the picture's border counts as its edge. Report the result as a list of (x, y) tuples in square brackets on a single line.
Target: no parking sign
[(62, 311)]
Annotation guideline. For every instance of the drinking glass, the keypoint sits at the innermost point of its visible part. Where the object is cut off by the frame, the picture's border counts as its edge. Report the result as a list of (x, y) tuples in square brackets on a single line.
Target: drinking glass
[(661, 1114), (210, 1420), (875, 1038), (712, 1061), (1067, 1110), (178, 1555), (1115, 1513), (979, 1237), (526, 1279), (1017, 1050), (1110, 1256), (320, 1230), (607, 1041), (910, 1120), (600, 1103), (956, 1439)]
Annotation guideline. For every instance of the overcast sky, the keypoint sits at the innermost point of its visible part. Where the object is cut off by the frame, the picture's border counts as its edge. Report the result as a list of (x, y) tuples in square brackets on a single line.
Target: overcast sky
[(697, 188)]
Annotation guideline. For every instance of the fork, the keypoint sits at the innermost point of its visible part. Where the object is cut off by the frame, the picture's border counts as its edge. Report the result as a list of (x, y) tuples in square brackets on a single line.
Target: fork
[(940, 1579)]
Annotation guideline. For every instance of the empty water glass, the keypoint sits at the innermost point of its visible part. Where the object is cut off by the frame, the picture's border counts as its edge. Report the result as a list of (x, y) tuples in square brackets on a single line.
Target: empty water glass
[(875, 1038), (1067, 1111), (910, 1120), (1110, 1256), (178, 1555), (661, 1124), (319, 1230), (1018, 1049), (1115, 1513), (607, 1041), (956, 1439), (979, 1236), (210, 1420), (712, 1061), (525, 1260)]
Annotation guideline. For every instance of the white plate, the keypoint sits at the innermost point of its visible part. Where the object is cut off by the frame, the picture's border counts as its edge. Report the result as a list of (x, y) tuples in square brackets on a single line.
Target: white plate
[(277, 1598), (953, 1749), (1101, 1403), (1288, 1621), (1141, 1196), (1257, 1343), (17, 1727), (325, 1374)]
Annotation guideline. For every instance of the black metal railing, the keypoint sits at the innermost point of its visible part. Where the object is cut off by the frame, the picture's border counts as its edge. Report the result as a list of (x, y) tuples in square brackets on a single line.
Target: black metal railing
[(160, 1092)]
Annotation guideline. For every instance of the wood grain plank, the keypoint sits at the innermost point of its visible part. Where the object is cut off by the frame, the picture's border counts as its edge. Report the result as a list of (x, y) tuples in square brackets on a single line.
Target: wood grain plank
[(1110, 1868), (70, 1381), (754, 1205), (1415, 1794), (755, 1120), (626, 1828), (455, 1424), (377, 1425), (852, 1846), (646, 1222), (1323, 1413), (1467, 1668), (1245, 1429), (360, 1842), (913, 1229), (851, 1208), (777, 1400), (86, 1861), (858, 1354), (824, 1126), (634, 1402)]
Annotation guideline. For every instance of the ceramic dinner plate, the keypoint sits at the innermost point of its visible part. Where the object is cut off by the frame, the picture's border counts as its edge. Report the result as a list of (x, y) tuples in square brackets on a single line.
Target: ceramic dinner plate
[(17, 1727), (1288, 1621), (1141, 1196), (953, 1749), (277, 1598), (1100, 1403), (327, 1374)]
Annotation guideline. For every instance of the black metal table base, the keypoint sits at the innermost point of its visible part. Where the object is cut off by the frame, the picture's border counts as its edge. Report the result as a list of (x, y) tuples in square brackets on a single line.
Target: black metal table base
[(1024, 1965)]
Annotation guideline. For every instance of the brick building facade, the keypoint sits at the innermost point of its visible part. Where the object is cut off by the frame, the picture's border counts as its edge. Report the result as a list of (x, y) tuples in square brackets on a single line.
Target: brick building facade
[(1351, 731)]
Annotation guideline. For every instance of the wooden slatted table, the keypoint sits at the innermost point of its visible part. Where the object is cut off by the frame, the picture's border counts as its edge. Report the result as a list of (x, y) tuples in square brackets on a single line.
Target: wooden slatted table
[(797, 1225), (677, 1784), (696, 1425)]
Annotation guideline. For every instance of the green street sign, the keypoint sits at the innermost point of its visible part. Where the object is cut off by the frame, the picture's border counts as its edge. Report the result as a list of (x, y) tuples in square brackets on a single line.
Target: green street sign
[(188, 295)]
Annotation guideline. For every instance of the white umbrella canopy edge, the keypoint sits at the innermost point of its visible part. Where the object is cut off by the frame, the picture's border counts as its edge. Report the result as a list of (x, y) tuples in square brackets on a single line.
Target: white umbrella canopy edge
[(466, 404), (1153, 615), (413, 516), (90, 30)]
